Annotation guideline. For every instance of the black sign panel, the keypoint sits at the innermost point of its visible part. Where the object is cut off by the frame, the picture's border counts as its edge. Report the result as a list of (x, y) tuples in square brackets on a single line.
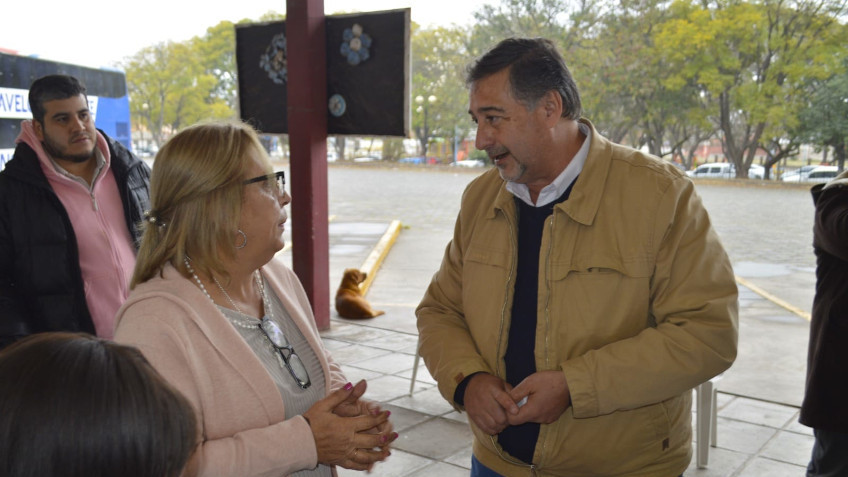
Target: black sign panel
[(367, 74), (262, 76)]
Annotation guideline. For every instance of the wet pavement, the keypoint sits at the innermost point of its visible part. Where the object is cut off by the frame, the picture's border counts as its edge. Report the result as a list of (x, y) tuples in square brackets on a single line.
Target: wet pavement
[(767, 232)]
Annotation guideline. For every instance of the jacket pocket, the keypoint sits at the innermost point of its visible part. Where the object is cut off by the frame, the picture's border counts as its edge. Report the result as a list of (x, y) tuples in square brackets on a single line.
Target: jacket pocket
[(637, 438), (479, 254), (485, 277), (599, 300)]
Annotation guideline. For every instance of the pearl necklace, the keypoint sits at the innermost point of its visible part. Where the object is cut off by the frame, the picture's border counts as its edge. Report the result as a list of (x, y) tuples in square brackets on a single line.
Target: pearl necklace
[(250, 325), (265, 305)]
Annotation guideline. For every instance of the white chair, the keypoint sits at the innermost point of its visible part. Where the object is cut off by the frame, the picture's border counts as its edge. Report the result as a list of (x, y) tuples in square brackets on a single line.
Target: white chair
[(706, 415), (415, 366)]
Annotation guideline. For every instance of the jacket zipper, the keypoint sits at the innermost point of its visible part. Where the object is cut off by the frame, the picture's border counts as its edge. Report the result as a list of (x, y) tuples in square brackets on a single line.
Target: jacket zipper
[(548, 290), (506, 291), (544, 442)]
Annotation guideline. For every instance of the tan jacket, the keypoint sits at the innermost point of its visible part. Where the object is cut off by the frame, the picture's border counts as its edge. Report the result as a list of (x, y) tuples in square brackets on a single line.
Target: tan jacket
[(637, 305), (242, 416)]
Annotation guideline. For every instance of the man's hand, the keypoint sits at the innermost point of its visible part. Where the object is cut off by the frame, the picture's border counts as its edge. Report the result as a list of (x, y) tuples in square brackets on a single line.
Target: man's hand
[(547, 398), (488, 402)]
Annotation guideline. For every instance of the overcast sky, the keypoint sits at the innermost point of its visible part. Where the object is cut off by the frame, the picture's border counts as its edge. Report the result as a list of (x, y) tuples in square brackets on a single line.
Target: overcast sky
[(103, 32)]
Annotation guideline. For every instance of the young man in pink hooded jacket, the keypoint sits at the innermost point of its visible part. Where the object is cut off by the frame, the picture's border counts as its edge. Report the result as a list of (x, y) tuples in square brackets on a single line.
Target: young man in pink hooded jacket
[(70, 200)]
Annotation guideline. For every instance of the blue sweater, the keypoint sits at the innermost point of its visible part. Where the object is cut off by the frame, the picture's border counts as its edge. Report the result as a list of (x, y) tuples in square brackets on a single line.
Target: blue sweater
[(520, 441)]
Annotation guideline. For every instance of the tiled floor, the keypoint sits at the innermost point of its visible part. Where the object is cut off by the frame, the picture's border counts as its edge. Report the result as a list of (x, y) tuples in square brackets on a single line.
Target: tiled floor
[(755, 438)]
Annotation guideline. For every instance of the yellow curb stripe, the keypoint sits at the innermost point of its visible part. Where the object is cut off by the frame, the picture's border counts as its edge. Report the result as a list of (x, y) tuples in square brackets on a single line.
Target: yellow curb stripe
[(777, 301), (375, 259)]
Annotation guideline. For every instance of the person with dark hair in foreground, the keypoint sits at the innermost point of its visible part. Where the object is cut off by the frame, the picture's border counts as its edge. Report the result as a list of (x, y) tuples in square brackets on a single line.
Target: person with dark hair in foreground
[(584, 293), (73, 405)]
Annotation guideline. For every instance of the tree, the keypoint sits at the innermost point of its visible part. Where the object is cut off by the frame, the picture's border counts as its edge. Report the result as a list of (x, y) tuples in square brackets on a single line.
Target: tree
[(526, 18), (169, 88), (626, 90), (752, 61), (439, 57), (217, 54), (392, 148), (824, 121)]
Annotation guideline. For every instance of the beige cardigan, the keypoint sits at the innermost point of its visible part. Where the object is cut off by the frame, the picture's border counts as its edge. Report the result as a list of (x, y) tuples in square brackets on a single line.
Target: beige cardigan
[(241, 414)]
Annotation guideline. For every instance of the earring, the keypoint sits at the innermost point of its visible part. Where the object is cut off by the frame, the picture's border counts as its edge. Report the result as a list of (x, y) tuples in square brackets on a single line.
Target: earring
[(243, 241)]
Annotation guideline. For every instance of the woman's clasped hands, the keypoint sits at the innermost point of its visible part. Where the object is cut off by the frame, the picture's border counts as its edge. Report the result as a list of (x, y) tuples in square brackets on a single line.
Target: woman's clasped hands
[(349, 431)]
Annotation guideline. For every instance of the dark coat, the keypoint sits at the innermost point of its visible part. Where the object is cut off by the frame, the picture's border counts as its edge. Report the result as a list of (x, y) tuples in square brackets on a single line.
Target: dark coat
[(826, 395), (41, 286)]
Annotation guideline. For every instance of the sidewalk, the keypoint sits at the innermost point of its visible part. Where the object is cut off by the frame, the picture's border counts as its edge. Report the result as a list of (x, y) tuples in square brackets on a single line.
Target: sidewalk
[(757, 436)]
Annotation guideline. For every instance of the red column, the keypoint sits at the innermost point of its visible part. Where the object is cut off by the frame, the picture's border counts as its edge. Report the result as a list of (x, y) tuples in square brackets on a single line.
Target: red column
[(307, 119)]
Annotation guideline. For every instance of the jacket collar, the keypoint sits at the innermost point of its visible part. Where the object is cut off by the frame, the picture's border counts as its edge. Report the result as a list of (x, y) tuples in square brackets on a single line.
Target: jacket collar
[(25, 164), (585, 198), (48, 164)]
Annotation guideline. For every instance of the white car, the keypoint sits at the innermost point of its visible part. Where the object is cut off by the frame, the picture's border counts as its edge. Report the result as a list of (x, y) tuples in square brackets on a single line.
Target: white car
[(725, 170), (366, 159), (811, 174), (469, 163)]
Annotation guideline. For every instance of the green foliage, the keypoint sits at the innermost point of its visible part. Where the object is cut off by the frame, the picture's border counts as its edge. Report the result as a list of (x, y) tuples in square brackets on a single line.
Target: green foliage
[(824, 121), (392, 148), (439, 57), (173, 85), (752, 62), (663, 74)]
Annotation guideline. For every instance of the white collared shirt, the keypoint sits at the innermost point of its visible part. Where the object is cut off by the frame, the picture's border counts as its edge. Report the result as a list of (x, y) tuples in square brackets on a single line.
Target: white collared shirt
[(555, 189)]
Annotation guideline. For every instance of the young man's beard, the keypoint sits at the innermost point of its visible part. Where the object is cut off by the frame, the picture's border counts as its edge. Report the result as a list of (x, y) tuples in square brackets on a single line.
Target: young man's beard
[(58, 153)]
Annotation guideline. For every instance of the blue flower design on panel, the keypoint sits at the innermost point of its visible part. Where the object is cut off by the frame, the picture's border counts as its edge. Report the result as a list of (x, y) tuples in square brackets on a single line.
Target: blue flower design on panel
[(275, 59), (356, 44)]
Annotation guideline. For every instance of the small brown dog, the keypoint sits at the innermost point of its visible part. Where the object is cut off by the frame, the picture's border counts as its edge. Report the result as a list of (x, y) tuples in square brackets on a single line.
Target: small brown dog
[(349, 300)]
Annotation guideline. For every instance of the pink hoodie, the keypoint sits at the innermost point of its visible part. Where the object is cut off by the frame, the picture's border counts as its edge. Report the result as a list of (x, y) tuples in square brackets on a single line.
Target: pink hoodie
[(106, 253)]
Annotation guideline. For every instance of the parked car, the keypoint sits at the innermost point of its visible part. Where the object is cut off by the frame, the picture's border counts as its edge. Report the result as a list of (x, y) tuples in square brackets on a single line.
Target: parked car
[(413, 160), (469, 163), (797, 174), (725, 170), (811, 174), (366, 159)]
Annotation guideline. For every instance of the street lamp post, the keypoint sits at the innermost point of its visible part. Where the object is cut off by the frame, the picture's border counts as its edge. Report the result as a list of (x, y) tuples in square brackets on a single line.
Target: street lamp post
[(425, 106)]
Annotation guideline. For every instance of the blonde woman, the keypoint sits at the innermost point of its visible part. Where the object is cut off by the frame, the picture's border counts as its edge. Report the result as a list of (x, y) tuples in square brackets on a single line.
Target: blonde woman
[(231, 327)]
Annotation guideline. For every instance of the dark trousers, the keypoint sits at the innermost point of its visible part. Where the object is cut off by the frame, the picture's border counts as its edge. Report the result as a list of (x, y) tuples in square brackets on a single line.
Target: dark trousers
[(830, 454), (480, 470)]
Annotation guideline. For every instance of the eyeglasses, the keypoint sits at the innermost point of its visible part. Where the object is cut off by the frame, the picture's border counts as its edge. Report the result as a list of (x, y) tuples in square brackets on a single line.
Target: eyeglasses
[(292, 361), (276, 178)]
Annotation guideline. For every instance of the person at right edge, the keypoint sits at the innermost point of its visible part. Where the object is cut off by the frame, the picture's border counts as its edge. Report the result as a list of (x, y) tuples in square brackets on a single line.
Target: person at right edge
[(584, 293), (826, 394)]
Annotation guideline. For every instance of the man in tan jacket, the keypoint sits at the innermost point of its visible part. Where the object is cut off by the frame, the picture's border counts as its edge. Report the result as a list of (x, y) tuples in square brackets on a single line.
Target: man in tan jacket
[(584, 293)]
